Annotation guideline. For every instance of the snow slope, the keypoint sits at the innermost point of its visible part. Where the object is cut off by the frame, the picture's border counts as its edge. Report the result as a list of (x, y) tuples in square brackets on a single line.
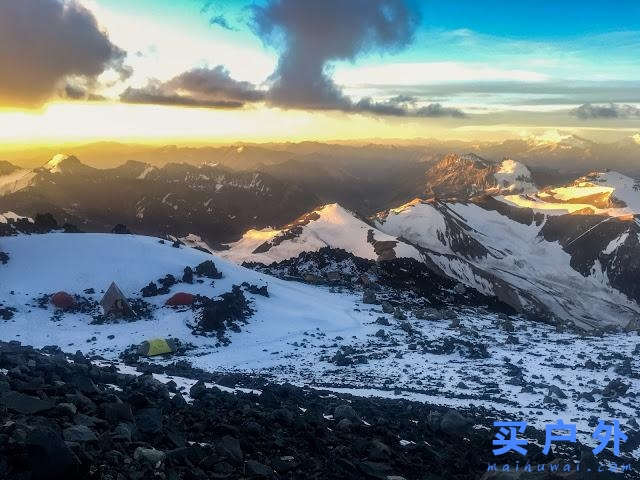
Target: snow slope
[(331, 225), (16, 180), (53, 165), (514, 252), (298, 326), (603, 193), (45, 264)]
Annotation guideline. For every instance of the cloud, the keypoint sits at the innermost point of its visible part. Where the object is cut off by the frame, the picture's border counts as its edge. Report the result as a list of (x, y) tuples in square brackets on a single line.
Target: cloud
[(217, 83), (311, 34), (403, 100), (401, 106), (44, 41), (611, 110), (381, 108), (437, 110), (557, 92), (199, 87), (76, 92)]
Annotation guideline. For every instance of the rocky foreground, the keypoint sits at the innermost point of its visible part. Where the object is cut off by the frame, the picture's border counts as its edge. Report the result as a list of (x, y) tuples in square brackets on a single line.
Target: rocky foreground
[(64, 417)]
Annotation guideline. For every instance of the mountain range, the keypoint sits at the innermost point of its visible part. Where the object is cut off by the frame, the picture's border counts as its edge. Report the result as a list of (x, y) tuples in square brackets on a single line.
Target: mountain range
[(565, 253), (568, 253), (475, 292)]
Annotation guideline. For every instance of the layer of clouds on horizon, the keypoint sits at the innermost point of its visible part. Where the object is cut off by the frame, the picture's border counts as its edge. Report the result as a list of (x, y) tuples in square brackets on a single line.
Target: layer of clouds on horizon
[(45, 43), (611, 110)]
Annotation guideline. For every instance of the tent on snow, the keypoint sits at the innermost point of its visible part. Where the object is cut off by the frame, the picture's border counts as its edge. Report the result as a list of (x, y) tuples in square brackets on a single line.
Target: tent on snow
[(62, 300), (180, 298), (115, 303), (157, 346)]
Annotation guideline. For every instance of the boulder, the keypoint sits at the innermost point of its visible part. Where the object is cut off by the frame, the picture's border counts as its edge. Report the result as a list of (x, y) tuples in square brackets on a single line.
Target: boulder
[(25, 404), (49, 456), (148, 455), (387, 307), (369, 297), (79, 434)]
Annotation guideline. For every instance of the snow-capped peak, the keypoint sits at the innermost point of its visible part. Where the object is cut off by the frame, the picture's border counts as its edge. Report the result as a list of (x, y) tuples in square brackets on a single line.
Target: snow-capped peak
[(331, 225), (54, 165), (67, 164), (513, 176)]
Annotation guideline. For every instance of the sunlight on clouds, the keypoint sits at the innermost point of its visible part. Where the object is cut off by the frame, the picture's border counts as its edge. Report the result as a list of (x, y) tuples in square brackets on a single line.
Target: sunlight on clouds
[(158, 49), (430, 73)]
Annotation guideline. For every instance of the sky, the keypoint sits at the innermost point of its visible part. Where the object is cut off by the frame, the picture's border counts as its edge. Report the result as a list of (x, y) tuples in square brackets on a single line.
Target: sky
[(264, 70)]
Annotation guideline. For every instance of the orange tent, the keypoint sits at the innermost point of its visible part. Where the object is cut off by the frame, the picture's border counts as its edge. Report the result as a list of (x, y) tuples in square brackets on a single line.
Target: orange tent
[(62, 300), (180, 298)]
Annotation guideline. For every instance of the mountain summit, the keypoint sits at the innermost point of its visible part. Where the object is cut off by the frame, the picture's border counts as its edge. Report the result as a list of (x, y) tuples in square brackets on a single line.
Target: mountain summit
[(465, 176)]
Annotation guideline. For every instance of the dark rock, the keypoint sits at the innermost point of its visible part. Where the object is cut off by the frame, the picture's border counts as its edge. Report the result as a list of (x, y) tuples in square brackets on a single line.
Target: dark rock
[(149, 455), (121, 229), (208, 269), (187, 276), (346, 411), (149, 420), (256, 469), (116, 412), (79, 433), (452, 422), (49, 456), (375, 469), (230, 447), (557, 391), (369, 297), (123, 431), (25, 404), (615, 388)]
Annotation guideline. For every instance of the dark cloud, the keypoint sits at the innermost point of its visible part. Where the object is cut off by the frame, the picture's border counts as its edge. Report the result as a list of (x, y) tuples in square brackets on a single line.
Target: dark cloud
[(310, 34), (215, 83), (401, 107), (44, 41), (77, 92), (611, 110), (199, 87), (381, 108), (152, 95), (437, 110), (403, 100), (74, 92)]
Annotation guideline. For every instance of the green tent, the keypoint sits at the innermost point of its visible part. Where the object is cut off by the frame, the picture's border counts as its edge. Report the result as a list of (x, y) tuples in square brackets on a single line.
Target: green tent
[(157, 346)]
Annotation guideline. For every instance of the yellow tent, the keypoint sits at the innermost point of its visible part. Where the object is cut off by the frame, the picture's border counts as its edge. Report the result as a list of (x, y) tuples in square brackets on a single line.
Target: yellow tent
[(157, 346)]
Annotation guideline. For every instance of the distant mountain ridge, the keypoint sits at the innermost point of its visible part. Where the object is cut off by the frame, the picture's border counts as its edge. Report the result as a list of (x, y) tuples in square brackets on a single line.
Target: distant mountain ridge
[(175, 199)]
